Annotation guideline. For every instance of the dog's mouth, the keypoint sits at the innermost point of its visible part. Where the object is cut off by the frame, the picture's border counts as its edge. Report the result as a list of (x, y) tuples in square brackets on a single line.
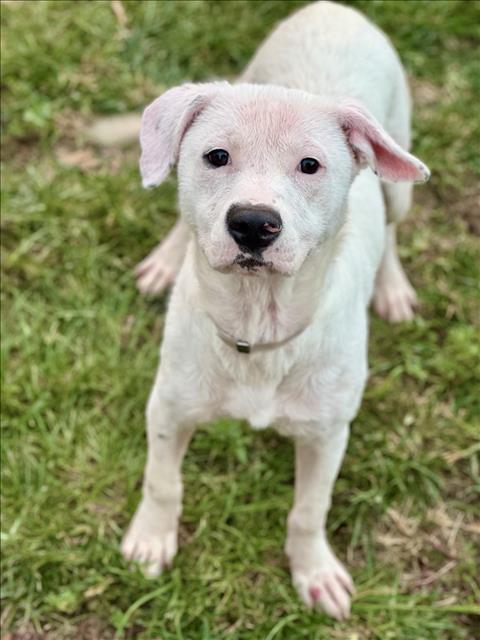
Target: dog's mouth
[(251, 263)]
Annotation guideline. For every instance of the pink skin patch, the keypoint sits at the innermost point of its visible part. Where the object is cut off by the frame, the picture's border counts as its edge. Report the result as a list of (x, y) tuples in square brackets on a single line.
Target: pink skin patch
[(315, 593), (271, 228)]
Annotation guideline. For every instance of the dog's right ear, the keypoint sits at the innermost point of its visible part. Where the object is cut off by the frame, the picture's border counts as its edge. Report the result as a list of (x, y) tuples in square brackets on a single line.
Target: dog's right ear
[(164, 123), (373, 146)]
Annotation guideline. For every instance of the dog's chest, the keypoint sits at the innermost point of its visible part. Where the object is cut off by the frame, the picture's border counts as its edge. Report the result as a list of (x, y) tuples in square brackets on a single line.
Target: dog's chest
[(320, 395), (252, 387), (258, 404), (263, 403)]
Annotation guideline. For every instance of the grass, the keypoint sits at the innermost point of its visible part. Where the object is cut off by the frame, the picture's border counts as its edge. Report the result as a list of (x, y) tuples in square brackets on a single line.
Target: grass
[(80, 349)]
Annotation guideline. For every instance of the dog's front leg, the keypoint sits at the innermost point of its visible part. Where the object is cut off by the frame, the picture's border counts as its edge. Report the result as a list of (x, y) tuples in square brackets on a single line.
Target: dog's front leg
[(319, 577), (151, 538)]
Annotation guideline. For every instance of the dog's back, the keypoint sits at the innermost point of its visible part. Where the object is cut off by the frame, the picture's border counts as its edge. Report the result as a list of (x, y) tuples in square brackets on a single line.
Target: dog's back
[(329, 49)]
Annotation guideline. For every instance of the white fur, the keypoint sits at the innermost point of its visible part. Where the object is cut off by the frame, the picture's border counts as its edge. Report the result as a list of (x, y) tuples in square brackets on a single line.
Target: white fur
[(321, 270)]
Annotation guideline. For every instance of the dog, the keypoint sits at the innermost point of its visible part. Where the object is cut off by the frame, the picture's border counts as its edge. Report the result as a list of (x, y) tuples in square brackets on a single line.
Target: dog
[(290, 183)]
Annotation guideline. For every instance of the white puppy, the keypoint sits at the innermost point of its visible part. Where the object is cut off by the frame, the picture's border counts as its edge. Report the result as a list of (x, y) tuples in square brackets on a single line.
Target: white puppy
[(281, 237)]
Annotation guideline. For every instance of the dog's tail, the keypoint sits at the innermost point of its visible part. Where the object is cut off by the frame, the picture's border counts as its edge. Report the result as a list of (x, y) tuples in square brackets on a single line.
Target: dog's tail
[(115, 131)]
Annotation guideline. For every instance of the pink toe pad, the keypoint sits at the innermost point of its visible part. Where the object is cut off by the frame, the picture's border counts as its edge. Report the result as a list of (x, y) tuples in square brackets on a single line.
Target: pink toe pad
[(315, 593)]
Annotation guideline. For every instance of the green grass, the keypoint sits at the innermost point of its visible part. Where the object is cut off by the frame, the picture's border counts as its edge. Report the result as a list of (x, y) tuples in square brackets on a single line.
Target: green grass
[(80, 348)]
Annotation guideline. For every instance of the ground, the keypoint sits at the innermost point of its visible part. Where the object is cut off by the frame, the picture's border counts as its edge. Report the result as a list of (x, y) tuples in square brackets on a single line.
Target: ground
[(80, 349)]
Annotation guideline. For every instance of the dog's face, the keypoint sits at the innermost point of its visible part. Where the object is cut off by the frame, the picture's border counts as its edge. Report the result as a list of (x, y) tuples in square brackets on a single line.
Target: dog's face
[(263, 172), (263, 179)]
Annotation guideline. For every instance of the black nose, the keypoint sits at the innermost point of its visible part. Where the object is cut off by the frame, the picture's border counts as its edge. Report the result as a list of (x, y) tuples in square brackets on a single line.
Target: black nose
[(253, 228)]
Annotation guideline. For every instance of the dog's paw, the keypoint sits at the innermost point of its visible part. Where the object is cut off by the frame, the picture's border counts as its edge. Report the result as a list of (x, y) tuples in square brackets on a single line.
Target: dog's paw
[(326, 586), (148, 545), (394, 298), (160, 268), (155, 273)]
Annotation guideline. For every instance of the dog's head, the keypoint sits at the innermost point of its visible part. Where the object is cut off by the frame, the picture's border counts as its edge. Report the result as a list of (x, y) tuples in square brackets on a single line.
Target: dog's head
[(264, 172)]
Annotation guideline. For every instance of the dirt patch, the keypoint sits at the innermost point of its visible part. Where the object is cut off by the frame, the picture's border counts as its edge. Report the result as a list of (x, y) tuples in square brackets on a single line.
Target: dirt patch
[(89, 159), (468, 208), (427, 550), (464, 204), (25, 633), (91, 629), (87, 629), (425, 93)]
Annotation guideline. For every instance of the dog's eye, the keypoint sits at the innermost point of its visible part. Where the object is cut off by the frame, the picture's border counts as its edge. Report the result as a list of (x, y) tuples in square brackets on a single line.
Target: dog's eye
[(217, 157), (309, 165)]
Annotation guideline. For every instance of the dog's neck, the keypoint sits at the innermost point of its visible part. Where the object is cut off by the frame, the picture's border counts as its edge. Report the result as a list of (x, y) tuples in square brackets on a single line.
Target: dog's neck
[(267, 307)]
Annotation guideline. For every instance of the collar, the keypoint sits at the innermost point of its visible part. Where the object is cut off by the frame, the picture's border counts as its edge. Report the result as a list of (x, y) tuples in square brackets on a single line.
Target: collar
[(243, 346)]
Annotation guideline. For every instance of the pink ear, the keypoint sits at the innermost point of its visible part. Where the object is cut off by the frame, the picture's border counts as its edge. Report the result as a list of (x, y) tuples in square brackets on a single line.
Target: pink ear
[(164, 123), (372, 145)]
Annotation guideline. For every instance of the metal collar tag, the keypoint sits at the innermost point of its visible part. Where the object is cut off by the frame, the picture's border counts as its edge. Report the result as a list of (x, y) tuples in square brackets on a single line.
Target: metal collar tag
[(243, 346)]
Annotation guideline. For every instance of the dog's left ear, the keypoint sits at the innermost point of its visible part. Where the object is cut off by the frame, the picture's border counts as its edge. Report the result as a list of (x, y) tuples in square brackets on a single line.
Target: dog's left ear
[(164, 123), (373, 146)]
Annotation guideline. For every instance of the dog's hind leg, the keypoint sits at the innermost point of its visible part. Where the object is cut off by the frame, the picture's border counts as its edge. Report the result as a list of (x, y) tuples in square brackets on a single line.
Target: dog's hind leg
[(160, 268), (394, 298)]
